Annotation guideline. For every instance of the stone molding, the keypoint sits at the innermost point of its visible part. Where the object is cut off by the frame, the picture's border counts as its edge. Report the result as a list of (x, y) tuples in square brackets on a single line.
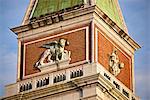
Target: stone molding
[(76, 13), (103, 79), (64, 63)]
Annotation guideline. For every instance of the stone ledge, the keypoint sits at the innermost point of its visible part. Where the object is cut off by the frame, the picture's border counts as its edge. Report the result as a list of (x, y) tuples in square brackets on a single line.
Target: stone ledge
[(73, 85), (45, 21), (55, 65)]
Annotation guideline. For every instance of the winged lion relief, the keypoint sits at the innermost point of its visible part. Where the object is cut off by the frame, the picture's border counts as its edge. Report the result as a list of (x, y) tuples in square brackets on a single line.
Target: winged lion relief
[(55, 52)]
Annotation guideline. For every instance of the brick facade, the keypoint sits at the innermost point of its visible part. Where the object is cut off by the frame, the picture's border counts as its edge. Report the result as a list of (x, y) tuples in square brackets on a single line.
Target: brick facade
[(77, 47), (105, 48)]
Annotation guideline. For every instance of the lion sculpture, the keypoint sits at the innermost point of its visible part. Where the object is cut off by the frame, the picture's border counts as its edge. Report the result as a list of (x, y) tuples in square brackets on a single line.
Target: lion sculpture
[(55, 52)]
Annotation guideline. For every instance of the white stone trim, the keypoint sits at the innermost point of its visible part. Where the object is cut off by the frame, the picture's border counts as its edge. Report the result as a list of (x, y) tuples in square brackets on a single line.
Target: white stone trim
[(93, 43), (19, 60), (87, 44), (85, 1), (96, 48), (121, 16), (96, 75), (102, 70), (93, 2), (114, 44), (133, 75), (56, 27), (26, 16), (54, 36), (33, 8), (48, 71), (113, 35), (24, 52), (129, 53)]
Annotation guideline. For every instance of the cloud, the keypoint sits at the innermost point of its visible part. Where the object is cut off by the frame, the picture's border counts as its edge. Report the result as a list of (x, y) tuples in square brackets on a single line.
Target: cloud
[(142, 79), (7, 69), (12, 14)]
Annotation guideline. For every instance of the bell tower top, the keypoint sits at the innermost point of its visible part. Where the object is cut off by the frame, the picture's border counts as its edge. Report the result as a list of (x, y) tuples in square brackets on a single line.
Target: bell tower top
[(38, 8), (112, 10), (42, 7), (71, 45)]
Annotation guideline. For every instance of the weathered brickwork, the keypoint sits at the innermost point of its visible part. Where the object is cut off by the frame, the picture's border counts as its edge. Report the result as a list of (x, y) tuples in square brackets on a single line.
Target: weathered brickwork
[(105, 48)]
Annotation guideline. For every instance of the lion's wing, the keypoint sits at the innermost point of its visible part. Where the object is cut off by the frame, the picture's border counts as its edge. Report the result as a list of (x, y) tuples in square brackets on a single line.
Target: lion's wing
[(49, 44)]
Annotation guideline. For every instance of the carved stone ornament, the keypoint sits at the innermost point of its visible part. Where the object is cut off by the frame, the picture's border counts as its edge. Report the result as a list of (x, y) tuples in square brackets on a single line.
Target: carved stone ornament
[(114, 63), (55, 52)]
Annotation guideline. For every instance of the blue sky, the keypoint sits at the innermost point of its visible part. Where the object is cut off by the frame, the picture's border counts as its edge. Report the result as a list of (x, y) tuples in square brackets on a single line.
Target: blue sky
[(136, 15), (135, 12)]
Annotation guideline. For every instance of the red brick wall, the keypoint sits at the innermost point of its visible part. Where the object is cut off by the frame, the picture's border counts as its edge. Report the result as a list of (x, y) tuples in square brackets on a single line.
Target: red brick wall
[(77, 47), (105, 48)]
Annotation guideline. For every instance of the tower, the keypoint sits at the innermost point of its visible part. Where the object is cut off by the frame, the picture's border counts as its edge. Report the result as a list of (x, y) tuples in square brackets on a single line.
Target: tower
[(74, 49)]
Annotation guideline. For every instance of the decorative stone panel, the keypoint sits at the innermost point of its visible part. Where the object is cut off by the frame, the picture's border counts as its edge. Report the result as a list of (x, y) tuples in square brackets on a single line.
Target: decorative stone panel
[(77, 46), (105, 48)]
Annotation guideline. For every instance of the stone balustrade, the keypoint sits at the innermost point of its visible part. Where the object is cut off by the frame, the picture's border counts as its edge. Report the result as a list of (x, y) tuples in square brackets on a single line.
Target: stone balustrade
[(67, 75), (116, 83)]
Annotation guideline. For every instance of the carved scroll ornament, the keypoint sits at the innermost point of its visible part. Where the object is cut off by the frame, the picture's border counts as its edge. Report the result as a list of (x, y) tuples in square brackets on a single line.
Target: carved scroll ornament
[(114, 64)]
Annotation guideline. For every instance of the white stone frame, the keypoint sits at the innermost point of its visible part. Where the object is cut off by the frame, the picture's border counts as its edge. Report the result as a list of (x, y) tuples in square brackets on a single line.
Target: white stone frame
[(130, 59), (130, 50), (97, 30), (74, 64), (92, 43), (32, 11)]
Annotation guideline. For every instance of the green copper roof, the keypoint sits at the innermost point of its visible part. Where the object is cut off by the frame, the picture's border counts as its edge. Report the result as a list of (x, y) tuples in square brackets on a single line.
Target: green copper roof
[(49, 6), (109, 7)]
